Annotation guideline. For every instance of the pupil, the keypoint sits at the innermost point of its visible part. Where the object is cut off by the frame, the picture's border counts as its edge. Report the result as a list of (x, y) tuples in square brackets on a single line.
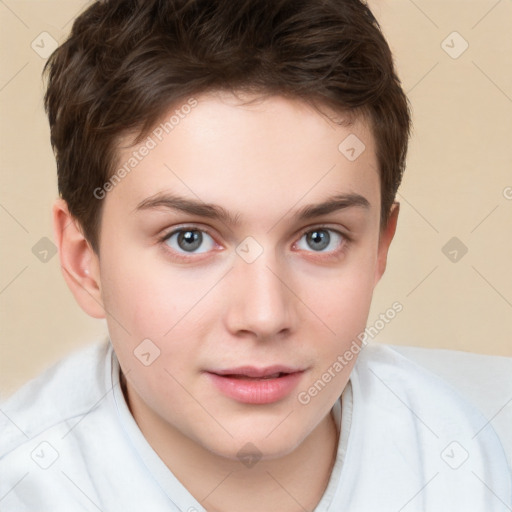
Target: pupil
[(190, 240), (319, 240)]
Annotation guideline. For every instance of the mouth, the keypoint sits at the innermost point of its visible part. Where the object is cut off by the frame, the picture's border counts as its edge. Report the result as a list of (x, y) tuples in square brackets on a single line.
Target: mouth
[(252, 372), (247, 377), (256, 385)]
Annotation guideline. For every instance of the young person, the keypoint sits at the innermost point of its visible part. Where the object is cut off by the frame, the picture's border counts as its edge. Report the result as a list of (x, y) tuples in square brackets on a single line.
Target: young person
[(227, 173)]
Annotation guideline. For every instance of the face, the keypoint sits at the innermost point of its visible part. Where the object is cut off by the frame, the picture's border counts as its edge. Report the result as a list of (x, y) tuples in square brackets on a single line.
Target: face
[(237, 261)]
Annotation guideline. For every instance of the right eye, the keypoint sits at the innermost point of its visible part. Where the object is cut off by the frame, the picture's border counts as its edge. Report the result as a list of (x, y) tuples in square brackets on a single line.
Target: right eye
[(189, 241)]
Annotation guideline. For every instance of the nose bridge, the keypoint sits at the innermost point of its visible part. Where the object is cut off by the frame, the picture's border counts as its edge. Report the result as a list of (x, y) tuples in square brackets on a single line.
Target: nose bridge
[(261, 302)]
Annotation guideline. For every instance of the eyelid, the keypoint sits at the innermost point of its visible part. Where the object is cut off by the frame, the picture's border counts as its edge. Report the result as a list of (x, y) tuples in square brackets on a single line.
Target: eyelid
[(336, 229), (326, 256), (185, 227), (184, 256), (206, 229)]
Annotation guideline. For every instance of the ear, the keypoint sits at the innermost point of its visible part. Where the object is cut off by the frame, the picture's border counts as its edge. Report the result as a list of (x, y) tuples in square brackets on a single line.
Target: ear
[(78, 261), (385, 238)]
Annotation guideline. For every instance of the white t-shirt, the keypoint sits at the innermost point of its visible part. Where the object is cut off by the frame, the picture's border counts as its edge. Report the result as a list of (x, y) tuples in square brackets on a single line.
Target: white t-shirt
[(407, 442)]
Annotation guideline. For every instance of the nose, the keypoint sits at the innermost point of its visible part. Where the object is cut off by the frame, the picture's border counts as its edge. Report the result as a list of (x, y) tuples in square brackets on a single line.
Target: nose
[(261, 302)]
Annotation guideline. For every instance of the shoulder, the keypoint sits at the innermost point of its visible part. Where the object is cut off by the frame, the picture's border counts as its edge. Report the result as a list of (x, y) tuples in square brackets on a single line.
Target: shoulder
[(479, 377), (483, 380), (68, 389), (472, 389), (63, 445), (476, 377)]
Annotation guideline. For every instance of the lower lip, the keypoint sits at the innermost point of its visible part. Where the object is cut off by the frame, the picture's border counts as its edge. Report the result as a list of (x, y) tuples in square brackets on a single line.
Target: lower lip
[(256, 391)]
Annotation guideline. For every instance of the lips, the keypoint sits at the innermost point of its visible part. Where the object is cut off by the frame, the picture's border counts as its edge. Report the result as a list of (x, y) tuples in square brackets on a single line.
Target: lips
[(251, 372), (266, 377), (252, 385)]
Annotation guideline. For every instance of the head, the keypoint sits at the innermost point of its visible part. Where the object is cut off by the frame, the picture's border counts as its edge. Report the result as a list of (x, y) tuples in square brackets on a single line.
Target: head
[(274, 136)]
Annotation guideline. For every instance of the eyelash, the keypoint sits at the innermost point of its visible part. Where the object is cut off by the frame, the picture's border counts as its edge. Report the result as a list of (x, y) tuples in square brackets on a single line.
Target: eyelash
[(330, 255), (321, 255)]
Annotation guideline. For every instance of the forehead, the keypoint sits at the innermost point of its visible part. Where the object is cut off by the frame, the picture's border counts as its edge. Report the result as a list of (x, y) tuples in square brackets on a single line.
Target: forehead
[(250, 157)]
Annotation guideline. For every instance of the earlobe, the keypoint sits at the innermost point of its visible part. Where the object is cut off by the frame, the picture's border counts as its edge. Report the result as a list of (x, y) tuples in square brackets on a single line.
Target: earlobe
[(385, 239), (79, 262)]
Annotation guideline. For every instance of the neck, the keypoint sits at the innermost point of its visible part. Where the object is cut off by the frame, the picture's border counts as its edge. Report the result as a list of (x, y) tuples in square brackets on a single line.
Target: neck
[(292, 483)]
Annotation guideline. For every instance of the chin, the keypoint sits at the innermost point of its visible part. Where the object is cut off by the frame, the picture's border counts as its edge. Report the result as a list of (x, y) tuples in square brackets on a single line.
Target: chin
[(260, 441), (256, 450)]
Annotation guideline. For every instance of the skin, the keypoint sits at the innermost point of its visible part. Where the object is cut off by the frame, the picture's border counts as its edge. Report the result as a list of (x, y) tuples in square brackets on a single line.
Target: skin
[(295, 304)]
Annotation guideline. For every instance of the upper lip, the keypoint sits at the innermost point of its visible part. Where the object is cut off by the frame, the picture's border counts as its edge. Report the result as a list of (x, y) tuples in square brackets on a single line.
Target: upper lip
[(254, 372)]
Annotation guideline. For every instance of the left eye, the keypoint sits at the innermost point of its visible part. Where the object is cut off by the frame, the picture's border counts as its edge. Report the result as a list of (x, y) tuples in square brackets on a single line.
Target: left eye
[(321, 239), (190, 240)]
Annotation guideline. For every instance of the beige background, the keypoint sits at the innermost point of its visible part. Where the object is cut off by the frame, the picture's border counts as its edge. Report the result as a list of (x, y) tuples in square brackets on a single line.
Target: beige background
[(458, 184)]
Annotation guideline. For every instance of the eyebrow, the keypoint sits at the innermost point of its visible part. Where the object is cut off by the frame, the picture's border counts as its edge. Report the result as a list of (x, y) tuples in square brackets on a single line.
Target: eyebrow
[(216, 212)]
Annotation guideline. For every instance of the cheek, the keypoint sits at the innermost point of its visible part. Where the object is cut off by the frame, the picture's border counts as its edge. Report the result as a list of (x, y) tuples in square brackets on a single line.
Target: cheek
[(344, 316), (168, 306), (343, 309), (149, 297), (151, 313), (342, 300)]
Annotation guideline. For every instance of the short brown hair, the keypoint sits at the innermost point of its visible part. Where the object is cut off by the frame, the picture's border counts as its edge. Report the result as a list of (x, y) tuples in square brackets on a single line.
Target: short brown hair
[(126, 62)]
